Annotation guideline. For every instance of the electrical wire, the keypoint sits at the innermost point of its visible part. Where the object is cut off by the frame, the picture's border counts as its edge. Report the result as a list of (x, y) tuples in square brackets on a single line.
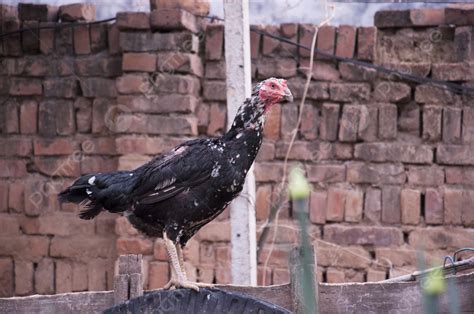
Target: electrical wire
[(55, 26)]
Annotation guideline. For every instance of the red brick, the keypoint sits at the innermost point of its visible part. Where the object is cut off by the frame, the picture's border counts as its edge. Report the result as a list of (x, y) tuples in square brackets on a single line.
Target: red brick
[(366, 42), (23, 277), (392, 18), (289, 117), (12, 168), (440, 237), (354, 72), (349, 92), (397, 152), (431, 176), (215, 70), (433, 207), (173, 19), (266, 152), (46, 39), (10, 123), (453, 204), (12, 147), (176, 62), (44, 277), (270, 45), (392, 92), (37, 12), (410, 206), (133, 21), (82, 42), (140, 42), (179, 84), (329, 121), (15, 197), (83, 110), (268, 172), (461, 14), (255, 40), (455, 155), (113, 39), (158, 275), (134, 246), (159, 104), (133, 83), (25, 247), (452, 125), (368, 123), (322, 70), (270, 67), (335, 204), (375, 173), (353, 205), (98, 65), (56, 117), (28, 117), (272, 124), (452, 71), (64, 276), (317, 208), (432, 123), (263, 202), (13, 45), (427, 16), (363, 235), (349, 124), (65, 166), (391, 207), (98, 33), (433, 95), (214, 42), (214, 90), (77, 12), (25, 87), (281, 276), (218, 231), (372, 205), (306, 34), (196, 7), (346, 40), (60, 88), (303, 150), (3, 196), (462, 45), (98, 87), (326, 173), (326, 40), (74, 247), (145, 62), (309, 122), (51, 147), (467, 127), (388, 115), (63, 41), (217, 119), (460, 175), (335, 276), (30, 39), (376, 275), (6, 277)]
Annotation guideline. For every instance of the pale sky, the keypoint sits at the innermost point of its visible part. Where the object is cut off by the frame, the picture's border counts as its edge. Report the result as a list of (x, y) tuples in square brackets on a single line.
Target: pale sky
[(261, 11)]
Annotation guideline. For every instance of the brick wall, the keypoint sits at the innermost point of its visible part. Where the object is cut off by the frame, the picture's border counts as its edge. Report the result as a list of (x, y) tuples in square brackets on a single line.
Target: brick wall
[(391, 162)]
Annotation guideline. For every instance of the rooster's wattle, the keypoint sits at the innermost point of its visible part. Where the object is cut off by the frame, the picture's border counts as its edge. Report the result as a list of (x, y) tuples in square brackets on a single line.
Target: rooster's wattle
[(177, 193)]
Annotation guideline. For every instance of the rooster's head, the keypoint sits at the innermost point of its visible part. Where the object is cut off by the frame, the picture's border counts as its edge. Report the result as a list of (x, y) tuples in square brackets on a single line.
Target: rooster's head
[(273, 91)]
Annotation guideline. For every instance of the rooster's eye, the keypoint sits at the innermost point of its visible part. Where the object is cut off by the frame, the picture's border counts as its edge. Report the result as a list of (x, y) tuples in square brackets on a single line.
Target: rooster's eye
[(273, 85)]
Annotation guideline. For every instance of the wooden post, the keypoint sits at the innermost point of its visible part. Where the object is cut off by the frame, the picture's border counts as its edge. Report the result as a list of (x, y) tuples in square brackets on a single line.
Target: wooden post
[(242, 213), (299, 272), (128, 283)]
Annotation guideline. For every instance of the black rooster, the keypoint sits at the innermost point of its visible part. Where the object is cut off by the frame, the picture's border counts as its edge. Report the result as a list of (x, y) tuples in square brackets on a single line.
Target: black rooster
[(177, 193)]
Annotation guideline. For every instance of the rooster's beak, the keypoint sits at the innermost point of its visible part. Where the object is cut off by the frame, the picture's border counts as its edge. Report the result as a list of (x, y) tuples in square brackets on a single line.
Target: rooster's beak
[(287, 95)]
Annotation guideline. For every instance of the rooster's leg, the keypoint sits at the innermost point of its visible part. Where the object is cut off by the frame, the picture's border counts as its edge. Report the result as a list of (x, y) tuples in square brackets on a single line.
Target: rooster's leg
[(179, 280)]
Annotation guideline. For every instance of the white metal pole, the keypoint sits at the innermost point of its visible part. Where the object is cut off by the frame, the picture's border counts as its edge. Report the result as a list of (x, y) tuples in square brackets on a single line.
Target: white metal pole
[(242, 212)]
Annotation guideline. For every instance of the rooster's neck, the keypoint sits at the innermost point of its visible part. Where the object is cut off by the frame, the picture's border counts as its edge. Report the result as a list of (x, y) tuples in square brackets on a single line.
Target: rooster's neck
[(250, 116)]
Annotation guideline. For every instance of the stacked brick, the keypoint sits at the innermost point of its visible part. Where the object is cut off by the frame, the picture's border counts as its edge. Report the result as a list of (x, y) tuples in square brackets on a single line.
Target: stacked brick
[(390, 161), (55, 84)]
